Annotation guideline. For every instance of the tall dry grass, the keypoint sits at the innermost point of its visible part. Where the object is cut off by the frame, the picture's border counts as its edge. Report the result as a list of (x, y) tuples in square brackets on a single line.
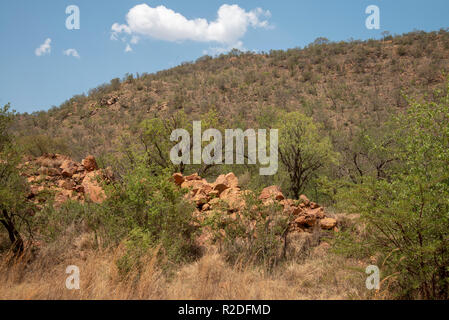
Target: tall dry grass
[(321, 276)]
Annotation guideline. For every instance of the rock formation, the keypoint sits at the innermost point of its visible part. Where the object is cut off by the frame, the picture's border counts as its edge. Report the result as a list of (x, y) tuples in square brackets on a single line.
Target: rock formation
[(63, 179), (305, 214)]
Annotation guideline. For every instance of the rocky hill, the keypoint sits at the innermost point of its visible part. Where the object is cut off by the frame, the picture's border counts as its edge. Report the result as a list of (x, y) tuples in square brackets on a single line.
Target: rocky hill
[(345, 86)]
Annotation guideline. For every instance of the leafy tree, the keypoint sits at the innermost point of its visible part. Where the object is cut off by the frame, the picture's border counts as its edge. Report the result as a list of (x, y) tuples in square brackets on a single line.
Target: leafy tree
[(156, 139), (370, 153), (13, 207), (156, 133), (303, 149), (407, 215), (148, 211)]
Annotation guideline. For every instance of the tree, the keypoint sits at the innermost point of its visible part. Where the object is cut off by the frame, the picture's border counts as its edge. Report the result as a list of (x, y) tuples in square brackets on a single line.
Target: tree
[(370, 153), (303, 149), (156, 138), (13, 207), (407, 215)]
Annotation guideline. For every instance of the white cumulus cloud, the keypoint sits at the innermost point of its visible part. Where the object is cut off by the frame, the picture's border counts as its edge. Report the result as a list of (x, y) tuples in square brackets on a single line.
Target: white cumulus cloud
[(44, 48), (161, 23), (71, 52)]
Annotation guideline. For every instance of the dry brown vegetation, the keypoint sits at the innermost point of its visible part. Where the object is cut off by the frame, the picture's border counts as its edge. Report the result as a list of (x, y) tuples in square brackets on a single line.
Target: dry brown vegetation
[(322, 276)]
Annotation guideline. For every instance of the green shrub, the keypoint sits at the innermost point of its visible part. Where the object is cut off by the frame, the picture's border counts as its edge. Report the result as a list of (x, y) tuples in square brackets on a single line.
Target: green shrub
[(406, 215), (148, 210), (38, 145), (14, 209)]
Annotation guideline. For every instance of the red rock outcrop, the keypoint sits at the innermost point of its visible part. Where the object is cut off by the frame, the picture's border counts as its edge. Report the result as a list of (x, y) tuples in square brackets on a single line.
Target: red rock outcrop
[(305, 215), (66, 179)]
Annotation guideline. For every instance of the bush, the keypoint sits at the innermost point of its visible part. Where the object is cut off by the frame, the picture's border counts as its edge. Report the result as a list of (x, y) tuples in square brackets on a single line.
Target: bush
[(406, 215), (14, 209), (303, 150), (38, 145), (256, 235), (148, 211)]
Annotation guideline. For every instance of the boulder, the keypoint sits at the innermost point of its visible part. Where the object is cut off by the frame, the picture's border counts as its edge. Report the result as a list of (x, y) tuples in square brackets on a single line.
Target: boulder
[(271, 193), (89, 163), (79, 177), (224, 182), (202, 195), (318, 212), (328, 223), (304, 200), (92, 189), (68, 168), (178, 178), (313, 205), (193, 185), (61, 197), (306, 221), (233, 197), (193, 177), (66, 184), (52, 172)]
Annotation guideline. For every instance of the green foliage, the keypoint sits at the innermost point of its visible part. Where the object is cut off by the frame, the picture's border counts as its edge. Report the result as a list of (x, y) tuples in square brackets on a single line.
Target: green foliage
[(156, 138), (304, 150), (406, 215), (38, 145), (14, 210), (156, 134), (148, 210)]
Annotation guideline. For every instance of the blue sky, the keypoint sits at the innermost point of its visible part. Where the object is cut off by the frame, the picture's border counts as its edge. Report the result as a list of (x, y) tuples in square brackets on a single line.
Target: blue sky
[(31, 82)]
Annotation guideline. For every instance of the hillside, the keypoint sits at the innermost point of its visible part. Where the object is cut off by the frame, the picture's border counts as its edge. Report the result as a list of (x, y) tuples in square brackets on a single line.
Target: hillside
[(361, 180), (345, 86)]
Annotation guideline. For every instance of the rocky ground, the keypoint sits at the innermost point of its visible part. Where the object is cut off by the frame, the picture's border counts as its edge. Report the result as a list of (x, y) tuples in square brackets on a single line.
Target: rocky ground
[(57, 177), (209, 197)]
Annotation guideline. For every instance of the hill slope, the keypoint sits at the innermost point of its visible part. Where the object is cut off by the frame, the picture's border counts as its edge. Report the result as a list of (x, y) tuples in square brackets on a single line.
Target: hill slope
[(343, 85)]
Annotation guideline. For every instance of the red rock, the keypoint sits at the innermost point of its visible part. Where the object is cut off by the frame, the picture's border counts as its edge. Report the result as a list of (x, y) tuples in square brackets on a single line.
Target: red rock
[(68, 168), (92, 189), (306, 221), (178, 178), (313, 205), (193, 177), (233, 197), (224, 182), (318, 212), (304, 199), (66, 184), (271, 193), (89, 163), (193, 185), (328, 223)]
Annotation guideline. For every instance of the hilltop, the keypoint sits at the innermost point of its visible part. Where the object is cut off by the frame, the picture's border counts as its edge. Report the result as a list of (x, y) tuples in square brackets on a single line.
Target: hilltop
[(345, 86)]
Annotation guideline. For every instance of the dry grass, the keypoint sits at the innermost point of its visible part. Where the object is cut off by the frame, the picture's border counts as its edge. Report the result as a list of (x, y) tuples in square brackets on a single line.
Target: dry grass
[(321, 276)]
